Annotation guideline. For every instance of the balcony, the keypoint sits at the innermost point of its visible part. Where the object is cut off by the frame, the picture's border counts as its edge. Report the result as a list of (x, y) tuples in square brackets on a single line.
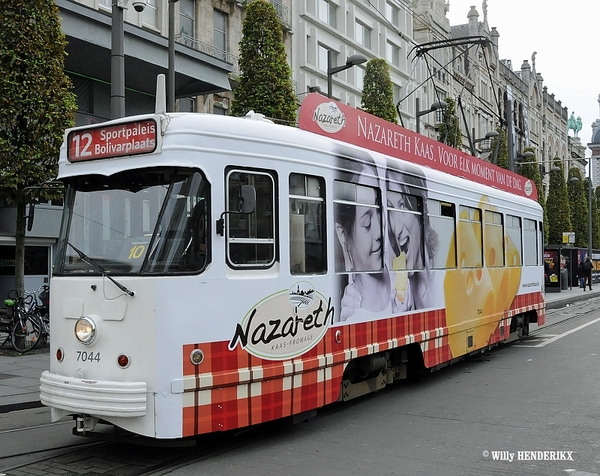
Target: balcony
[(207, 49)]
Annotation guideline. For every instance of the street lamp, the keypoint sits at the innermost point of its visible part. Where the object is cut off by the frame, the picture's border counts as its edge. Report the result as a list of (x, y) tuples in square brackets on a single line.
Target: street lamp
[(171, 66), (331, 70), (311, 89), (434, 107), (488, 136)]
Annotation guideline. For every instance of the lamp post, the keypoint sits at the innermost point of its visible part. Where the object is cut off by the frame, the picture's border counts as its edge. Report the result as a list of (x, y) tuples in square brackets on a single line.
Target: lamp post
[(117, 62), (117, 55), (590, 208), (331, 70), (434, 107), (488, 136), (171, 66)]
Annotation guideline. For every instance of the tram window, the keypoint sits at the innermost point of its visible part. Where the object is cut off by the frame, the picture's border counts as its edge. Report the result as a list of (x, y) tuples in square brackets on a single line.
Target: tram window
[(405, 213), (357, 210), (514, 232), (442, 220), (530, 252), (493, 236), (251, 236), (307, 225), (469, 237)]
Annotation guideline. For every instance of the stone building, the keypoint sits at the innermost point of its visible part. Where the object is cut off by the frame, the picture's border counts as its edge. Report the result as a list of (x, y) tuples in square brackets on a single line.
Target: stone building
[(486, 88)]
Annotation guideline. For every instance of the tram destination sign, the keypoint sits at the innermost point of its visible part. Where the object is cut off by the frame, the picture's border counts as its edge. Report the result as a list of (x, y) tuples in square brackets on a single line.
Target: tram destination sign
[(111, 141), (330, 118)]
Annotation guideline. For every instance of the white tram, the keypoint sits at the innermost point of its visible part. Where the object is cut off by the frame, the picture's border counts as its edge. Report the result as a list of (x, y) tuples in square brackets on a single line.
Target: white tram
[(216, 272)]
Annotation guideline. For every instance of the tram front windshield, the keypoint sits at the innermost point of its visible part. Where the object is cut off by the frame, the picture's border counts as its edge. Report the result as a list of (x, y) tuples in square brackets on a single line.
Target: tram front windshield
[(149, 221)]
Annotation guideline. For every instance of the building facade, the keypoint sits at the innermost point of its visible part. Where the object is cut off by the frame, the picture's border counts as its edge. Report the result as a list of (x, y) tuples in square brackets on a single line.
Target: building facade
[(430, 60)]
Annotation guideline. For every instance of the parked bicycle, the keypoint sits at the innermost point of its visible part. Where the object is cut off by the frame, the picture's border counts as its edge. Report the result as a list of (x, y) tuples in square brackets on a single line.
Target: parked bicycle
[(20, 322), (41, 306)]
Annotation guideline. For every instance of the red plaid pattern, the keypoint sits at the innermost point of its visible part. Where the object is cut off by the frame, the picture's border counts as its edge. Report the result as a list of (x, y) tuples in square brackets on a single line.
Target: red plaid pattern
[(232, 388)]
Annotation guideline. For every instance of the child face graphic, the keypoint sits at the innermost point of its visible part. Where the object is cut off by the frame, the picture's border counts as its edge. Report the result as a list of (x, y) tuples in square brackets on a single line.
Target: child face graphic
[(405, 228), (366, 244)]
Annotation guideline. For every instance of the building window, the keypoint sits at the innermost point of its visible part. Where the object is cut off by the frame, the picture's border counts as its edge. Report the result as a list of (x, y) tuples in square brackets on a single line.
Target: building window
[(327, 12), (360, 77), (186, 22), (391, 13), (392, 54), (397, 91), (220, 34), (187, 105), (363, 35), (322, 60), (150, 14)]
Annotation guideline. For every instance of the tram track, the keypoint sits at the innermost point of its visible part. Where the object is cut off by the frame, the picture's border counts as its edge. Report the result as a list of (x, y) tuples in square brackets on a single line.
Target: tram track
[(578, 313)]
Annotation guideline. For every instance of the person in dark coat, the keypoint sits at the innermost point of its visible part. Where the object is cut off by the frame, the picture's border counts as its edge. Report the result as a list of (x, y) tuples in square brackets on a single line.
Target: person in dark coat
[(587, 271), (581, 275)]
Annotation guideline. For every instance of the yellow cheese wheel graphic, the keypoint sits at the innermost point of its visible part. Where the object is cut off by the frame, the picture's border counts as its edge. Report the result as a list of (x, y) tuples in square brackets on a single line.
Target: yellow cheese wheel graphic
[(476, 296)]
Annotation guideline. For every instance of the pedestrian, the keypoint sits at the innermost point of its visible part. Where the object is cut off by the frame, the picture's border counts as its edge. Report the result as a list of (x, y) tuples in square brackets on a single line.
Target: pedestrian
[(581, 275), (587, 271)]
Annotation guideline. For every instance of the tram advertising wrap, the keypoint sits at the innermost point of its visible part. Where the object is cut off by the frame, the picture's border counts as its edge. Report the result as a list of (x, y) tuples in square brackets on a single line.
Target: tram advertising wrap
[(217, 272)]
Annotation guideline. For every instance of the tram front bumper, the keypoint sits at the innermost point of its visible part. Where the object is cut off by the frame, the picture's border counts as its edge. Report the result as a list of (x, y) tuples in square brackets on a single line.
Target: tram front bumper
[(101, 398)]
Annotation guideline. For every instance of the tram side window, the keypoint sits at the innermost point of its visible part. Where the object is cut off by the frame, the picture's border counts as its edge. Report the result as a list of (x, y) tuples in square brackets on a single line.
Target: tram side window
[(493, 236), (251, 237), (442, 220), (469, 237), (357, 210), (405, 213), (514, 232), (307, 225), (530, 250)]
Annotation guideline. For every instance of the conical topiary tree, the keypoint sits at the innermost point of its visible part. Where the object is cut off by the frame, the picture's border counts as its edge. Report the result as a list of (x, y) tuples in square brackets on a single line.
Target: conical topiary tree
[(266, 77), (578, 205), (449, 130), (559, 220), (36, 105), (531, 170), (378, 91), (501, 157)]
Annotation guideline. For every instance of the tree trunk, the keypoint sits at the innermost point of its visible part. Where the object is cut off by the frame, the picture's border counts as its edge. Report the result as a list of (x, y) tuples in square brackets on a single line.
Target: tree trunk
[(20, 247)]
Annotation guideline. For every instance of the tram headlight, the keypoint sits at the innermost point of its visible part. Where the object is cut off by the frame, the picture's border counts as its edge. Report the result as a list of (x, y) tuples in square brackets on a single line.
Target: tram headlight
[(85, 330)]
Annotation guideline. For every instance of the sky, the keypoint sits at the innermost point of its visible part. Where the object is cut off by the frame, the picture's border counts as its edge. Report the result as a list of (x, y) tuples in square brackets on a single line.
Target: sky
[(564, 36)]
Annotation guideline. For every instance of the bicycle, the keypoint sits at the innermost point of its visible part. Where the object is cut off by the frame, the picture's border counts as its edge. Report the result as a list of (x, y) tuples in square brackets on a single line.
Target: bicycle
[(41, 306), (25, 326)]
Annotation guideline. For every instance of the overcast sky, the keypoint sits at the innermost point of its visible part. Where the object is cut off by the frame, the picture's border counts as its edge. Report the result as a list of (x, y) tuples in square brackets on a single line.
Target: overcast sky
[(565, 36)]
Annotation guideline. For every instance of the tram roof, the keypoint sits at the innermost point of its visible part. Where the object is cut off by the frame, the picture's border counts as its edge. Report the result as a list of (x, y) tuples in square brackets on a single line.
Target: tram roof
[(324, 118)]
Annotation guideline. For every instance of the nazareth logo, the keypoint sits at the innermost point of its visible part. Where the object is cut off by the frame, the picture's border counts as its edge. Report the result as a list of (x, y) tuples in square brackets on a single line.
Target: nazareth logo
[(285, 324), (528, 188), (329, 117)]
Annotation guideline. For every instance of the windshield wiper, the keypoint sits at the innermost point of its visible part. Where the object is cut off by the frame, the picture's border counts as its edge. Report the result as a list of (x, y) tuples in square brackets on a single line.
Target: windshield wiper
[(86, 259)]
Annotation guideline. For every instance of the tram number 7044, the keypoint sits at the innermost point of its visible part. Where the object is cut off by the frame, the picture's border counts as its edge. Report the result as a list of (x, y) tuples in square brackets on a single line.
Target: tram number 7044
[(83, 356)]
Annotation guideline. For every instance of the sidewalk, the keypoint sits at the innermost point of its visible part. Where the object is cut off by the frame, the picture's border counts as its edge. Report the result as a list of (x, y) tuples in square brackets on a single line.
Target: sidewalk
[(20, 373)]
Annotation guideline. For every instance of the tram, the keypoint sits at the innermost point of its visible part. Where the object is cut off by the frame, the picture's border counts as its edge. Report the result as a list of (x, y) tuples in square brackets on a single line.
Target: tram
[(214, 272)]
